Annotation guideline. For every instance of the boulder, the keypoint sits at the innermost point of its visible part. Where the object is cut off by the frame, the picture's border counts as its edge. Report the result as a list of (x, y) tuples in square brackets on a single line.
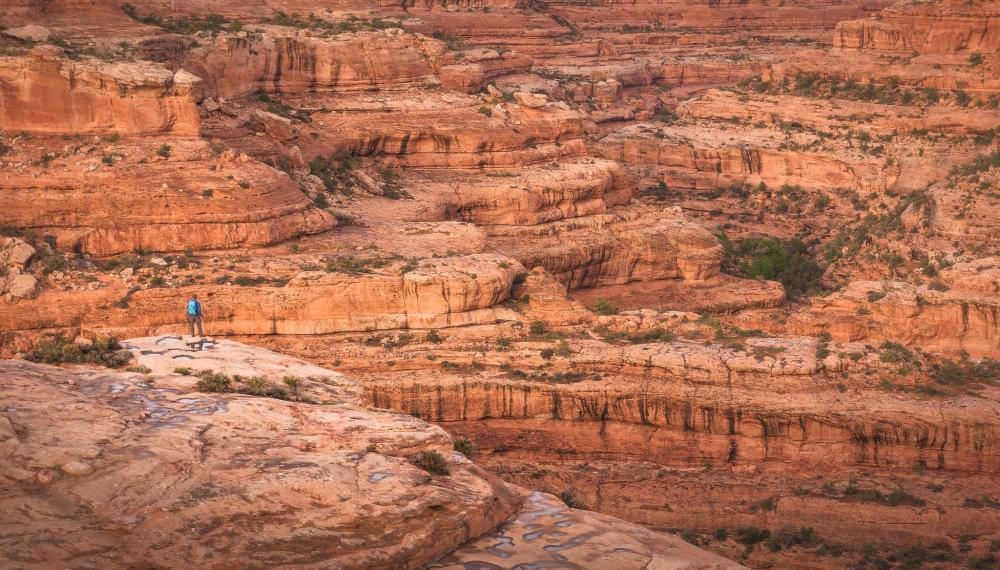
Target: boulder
[(532, 100), (21, 286), (275, 126), (15, 253), (28, 33)]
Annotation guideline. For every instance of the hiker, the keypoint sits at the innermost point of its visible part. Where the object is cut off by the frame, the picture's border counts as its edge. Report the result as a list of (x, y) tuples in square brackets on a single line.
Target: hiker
[(194, 314)]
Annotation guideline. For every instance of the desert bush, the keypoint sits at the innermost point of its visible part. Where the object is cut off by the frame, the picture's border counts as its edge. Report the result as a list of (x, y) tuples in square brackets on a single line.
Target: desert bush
[(105, 351), (210, 381), (465, 447), (573, 499), (431, 462), (604, 307)]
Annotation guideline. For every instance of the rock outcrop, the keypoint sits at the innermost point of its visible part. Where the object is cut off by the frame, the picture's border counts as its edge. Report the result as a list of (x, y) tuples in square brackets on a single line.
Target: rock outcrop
[(723, 268), (620, 246), (46, 93), (950, 26), (115, 469), (546, 525), (540, 194), (275, 59), (327, 484), (168, 197), (436, 293), (702, 156), (876, 311)]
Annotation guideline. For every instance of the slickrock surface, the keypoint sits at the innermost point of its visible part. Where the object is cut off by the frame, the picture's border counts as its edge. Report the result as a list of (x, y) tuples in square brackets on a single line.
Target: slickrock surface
[(119, 470), (547, 533)]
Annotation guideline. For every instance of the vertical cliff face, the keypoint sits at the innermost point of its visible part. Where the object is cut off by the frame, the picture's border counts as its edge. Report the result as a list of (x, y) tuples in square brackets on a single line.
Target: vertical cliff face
[(638, 423), (45, 93), (274, 59), (963, 319), (940, 27)]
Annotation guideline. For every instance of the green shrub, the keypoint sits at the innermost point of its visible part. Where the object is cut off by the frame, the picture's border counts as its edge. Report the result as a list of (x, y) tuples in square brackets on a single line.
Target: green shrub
[(562, 349), (105, 351), (988, 562), (751, 535), (138, 368), (259, 386), (899, 496), (949, 373), (788, 262), (604, 307), (938, 285), (876, 296), (183, 370), (573, 500), (689, 536), (410, 265), (432, 462), (164, 150), (465, 447), (210, 381), (433, 337), (893, 352), (537, 327), (768, 505)]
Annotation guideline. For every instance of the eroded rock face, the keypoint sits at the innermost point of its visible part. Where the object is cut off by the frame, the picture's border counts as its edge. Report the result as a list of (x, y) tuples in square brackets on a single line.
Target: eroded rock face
[(476, 69), (436, 293), (875, 311), (45, 93), (939, 27), (586, 144), (702, 157), (615, 248), (285, 60), (14, 256), (541, 194), (168, 197)]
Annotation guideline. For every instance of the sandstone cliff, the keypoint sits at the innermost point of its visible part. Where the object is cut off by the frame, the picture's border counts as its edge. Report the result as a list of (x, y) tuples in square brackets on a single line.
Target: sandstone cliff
[(46, 93)]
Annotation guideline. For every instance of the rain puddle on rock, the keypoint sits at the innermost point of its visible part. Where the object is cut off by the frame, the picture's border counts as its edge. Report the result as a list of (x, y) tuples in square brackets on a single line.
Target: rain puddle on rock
[(571, 543), (502, 542), (378, 476)]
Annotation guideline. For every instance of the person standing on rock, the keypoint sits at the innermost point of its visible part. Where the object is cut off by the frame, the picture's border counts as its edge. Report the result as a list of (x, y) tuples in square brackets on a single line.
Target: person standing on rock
[(194, 314)]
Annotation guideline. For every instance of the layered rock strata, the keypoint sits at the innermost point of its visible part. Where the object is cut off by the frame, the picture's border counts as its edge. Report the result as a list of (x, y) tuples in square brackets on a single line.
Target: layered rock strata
[(46, 93)]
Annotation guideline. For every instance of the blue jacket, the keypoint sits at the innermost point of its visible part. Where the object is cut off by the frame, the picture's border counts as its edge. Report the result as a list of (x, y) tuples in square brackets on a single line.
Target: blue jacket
[(194, 308)]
